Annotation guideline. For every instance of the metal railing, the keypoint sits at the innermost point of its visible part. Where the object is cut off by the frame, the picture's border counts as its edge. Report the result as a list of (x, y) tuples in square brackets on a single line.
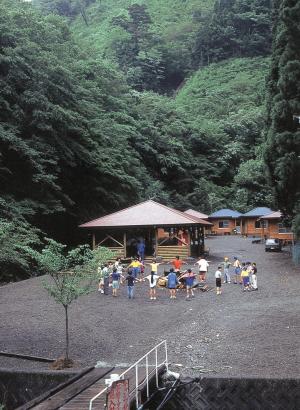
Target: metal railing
[(150, 368)]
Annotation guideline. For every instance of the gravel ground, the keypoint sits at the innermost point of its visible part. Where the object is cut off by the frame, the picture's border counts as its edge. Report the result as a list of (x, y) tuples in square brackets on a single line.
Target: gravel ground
[(253, 334)]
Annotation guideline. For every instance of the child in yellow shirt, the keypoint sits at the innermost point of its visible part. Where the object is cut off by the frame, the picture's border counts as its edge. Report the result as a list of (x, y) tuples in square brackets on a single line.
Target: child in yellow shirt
[(245, 277)]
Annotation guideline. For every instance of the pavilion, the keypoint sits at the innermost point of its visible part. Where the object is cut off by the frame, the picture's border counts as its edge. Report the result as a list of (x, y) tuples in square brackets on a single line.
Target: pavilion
[(166, 232)]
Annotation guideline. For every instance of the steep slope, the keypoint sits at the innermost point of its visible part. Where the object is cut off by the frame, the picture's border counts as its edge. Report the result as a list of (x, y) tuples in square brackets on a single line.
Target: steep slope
[(172, 20), (220, 91), (224, 104)]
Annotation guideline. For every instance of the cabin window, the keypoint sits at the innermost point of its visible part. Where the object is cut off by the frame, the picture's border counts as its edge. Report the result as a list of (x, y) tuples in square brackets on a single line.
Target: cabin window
[(264, 223), (223, 224), (284, 229), (257, 225)]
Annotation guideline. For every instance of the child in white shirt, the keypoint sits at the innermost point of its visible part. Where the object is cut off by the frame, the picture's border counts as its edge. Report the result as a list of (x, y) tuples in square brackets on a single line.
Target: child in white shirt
[(218, 276), (253, 277)]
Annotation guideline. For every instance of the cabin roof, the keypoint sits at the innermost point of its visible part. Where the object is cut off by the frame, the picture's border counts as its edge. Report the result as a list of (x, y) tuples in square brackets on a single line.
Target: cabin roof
[(148, 213), (257, 212), (225, 213), (197, 214)]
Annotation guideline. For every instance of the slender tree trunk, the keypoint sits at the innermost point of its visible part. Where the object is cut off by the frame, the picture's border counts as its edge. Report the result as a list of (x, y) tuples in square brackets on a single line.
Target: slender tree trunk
[(84, 16), (67, 332)]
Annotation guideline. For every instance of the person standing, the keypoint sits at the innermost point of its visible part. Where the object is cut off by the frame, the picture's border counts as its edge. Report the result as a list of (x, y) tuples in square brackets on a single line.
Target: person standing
[(130, 284), (117, 262), (120, 271), (253, 277), (141, 249), (115, 281), (237, 270), (245, 277), (226, 265), (105, 276), (203, 268), (189, 282), (154, 266), (172, 283), (152, 278), (101, 279), (177, 263), (142, 269), (135, 265), (218, 276)]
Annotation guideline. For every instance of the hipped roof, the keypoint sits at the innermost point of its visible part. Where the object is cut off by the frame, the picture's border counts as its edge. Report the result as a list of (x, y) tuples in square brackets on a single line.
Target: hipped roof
[(225, 213), (148, 213), (256, 212), (197, 214)]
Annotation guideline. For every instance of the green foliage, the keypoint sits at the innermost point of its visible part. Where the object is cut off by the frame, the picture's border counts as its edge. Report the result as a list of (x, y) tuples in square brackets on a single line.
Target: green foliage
[(60, 109), (16, 237), (251, 186), (224, 104), (72, 272), (282, 149), (236, 28), (86, 126), (151, 40)]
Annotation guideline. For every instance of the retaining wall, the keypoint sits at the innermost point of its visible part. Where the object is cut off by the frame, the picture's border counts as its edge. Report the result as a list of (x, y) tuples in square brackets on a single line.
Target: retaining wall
[(235, 394), (20, 387)]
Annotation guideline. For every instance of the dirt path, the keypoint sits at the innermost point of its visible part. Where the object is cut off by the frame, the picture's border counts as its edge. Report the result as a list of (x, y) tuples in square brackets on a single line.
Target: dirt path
[(235, 334)]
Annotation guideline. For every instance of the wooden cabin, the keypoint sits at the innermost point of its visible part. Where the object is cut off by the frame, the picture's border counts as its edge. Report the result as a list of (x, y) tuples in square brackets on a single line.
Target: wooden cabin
[(166, 232), (251, 222), (202, 216), (273, 227), (225, 222)]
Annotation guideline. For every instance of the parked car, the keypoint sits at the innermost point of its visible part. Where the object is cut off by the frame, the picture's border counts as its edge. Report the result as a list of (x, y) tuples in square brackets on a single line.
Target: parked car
[(272, 245)]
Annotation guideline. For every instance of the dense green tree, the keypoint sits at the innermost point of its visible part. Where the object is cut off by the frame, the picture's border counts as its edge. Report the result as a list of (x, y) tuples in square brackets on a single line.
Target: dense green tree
[(251, 188), (282, 152), (80, 137), (136, 54), (236, 28), (59, 112)]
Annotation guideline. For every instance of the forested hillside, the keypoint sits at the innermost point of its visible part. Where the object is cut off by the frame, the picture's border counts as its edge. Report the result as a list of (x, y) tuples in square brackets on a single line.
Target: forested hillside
[(105, 103), (282, 148), (158, 43)]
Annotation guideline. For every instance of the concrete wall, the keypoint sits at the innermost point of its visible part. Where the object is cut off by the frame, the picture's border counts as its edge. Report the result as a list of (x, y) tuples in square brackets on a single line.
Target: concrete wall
[(19, 387), (235, 394)]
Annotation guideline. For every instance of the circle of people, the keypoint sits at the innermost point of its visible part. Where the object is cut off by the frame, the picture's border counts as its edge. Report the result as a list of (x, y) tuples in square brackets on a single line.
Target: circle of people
[(113, 274)]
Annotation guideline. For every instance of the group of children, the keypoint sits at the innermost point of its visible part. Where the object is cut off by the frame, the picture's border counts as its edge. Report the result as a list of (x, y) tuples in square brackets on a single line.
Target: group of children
[(244, 273)]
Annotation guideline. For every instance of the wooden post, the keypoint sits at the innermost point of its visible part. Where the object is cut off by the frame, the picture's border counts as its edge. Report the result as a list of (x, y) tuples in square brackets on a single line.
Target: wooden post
[(189, 243), (156, 241), (94, 241), (201, 236), (125, 243)]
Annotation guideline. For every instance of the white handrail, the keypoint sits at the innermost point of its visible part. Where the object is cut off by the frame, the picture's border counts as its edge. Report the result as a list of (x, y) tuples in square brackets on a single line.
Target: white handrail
[(148, 374)]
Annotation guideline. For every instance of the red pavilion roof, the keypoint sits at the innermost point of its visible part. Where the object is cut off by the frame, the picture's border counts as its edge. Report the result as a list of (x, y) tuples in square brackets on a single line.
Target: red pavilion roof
[(197, 214), (148, 213)]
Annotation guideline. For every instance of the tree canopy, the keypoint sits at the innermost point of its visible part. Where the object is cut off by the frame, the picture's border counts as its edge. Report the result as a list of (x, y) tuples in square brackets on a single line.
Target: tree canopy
[(106, 103), (282, 149)]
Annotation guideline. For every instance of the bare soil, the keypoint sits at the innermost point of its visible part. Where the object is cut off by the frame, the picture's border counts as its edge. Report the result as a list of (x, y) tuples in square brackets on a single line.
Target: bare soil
[(254, 334)]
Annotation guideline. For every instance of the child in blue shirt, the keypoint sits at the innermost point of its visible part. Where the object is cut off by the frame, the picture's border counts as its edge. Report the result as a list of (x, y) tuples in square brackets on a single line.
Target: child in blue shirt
[(189, 282), (172, 283), (115, 281)]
